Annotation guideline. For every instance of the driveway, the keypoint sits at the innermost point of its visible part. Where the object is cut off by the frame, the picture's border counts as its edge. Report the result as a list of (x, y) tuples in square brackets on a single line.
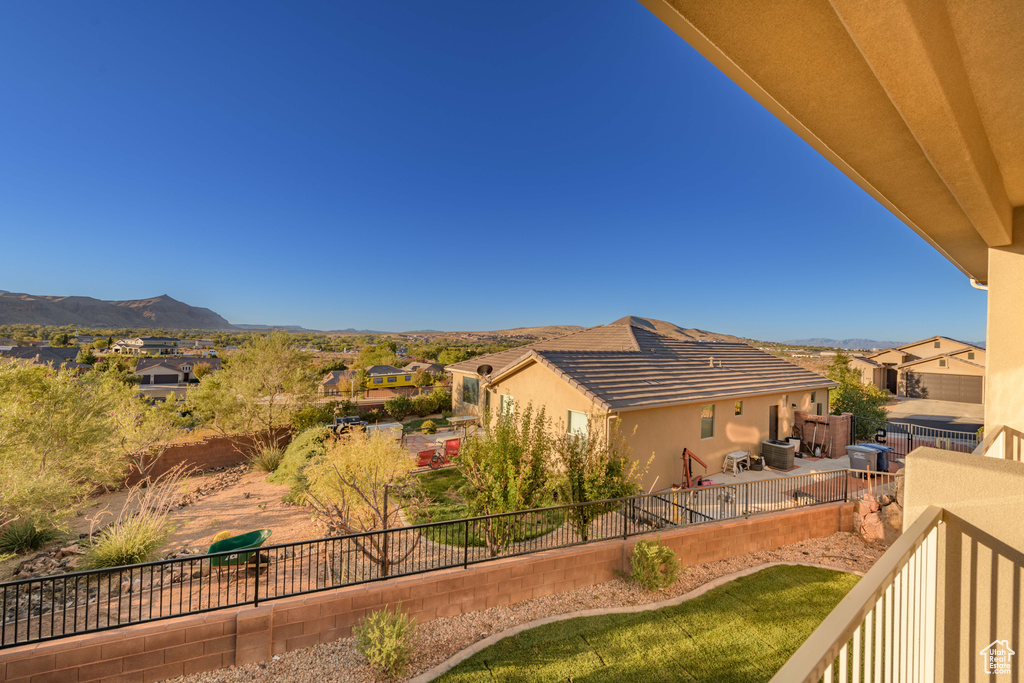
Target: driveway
[(960, 417)]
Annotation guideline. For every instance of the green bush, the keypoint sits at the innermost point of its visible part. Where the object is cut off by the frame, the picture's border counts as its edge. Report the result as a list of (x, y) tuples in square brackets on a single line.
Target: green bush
[(348, 408), (423, 405), (372, 416), (307, 445), (654, 566), (24, 535), (442, 399), (398, 407), (446, 414), (312, 416), (429, 427), (267, 459), (385, 638)]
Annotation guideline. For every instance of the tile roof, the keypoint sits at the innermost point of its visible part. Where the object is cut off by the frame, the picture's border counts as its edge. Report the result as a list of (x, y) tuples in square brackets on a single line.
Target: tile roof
[(337, 377), (175, 362), (648, 369), (384, 370), (46, 355)]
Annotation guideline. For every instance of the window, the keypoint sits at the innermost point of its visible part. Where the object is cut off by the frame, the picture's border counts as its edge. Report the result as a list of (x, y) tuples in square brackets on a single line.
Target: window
[(970, 355), (470, 390), (739, 407), (378, 380), (507, 405), (938, 344), (707, 421), (814, 396), (392, 379), (942, 362), (408, 378), (578, 423)]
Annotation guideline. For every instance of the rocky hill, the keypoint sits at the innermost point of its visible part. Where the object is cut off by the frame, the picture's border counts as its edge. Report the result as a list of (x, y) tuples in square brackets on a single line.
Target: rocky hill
[(157, 312)]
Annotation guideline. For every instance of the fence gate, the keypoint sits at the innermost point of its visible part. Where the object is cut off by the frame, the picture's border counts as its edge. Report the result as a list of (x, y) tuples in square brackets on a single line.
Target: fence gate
[(904, 437)]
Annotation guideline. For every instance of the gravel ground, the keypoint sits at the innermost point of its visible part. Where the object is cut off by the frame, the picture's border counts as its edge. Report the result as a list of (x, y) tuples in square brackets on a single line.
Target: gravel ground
[(439, 639)]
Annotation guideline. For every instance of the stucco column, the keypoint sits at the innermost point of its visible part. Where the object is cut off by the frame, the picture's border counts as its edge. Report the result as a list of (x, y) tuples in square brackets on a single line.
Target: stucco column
[(1004, 374)]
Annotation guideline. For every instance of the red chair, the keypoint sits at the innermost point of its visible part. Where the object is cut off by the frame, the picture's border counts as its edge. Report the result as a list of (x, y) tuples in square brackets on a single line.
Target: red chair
[(451, 448), (424, 457)]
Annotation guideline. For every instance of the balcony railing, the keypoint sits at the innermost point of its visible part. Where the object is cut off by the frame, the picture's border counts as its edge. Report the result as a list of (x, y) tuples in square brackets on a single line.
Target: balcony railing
[(1002, 442), (885, 628)]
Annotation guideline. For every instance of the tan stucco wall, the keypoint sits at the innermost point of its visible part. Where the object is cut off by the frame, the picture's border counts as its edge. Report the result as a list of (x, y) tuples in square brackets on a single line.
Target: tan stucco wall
[(981, 552), (979, 356), (952, 368), (926, 349), (539, 386), (1004, 379), (894, 357), (665, 432)]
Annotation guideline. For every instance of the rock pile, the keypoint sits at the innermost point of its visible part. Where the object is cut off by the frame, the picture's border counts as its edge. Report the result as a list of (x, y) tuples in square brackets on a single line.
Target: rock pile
[(878, 519)]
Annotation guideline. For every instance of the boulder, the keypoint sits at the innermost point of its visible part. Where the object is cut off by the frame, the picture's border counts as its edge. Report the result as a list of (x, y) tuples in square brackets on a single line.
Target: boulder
[(871, 528)]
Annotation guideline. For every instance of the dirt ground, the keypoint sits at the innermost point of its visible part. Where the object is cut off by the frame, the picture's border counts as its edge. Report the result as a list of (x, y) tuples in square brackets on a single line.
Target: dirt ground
[(247, 505)]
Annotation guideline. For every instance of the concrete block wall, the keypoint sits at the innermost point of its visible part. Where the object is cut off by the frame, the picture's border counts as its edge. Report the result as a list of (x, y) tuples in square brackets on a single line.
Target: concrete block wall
[(242, 635), (832, 430), (206, 454)]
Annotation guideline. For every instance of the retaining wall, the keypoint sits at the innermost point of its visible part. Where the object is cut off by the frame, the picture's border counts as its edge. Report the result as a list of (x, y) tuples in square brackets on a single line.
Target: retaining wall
[(241, 635), (207, 454)]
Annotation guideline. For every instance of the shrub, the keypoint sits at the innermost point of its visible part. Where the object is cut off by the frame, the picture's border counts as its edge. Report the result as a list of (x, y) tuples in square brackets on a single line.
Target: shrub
[(24, 535), (312, 416), (385, 638), (348, 408), (398, 407), (654, 566), (429, 427), (446, 414), (423, 405), (442, 399), (136, 537), (305, 447), (372, 416), (267, 458)]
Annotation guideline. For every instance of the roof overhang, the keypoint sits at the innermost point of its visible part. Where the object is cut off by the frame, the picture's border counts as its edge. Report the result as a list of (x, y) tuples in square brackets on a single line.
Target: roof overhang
[(919, 103)]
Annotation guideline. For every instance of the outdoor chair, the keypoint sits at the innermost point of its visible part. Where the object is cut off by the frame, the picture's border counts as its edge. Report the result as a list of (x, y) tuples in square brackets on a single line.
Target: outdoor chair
[(424, 457), (451, 448)]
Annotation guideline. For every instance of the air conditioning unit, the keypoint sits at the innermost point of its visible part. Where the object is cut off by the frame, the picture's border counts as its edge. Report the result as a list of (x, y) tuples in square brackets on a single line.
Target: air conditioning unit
[(777, 454)]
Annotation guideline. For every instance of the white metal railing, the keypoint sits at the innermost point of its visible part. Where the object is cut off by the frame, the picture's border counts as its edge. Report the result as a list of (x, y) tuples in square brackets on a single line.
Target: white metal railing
[(884, 629), (1002, 442)]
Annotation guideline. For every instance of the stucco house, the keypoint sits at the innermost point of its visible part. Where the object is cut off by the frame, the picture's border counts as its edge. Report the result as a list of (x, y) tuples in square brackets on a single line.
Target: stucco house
[(171, 370), (337, 382), (146, 346), (939, 368), (668, 394)]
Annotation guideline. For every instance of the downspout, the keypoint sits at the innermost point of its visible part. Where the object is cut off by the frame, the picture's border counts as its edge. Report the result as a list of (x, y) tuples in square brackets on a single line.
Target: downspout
[(977, 285)]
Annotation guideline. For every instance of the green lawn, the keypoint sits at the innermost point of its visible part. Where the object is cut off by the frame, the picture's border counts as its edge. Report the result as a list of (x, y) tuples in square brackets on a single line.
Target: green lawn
[(439, 486), (743, 631)]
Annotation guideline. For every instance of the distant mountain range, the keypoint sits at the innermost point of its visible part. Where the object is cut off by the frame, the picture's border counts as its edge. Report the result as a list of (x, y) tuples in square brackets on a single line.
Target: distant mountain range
[(855, 344), (157, 312)]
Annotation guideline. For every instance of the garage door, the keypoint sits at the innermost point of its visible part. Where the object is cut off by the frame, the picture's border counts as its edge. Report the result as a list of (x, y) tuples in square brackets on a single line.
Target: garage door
[(165, 379), (942, 387)]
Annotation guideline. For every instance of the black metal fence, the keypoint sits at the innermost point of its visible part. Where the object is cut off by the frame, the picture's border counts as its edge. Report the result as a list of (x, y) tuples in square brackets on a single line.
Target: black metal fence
[(904, 437), (45, 608)]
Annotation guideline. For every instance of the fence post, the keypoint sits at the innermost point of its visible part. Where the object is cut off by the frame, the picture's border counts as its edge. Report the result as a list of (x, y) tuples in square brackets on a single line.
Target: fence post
[(256, 599), (625, 521), (465, 547)]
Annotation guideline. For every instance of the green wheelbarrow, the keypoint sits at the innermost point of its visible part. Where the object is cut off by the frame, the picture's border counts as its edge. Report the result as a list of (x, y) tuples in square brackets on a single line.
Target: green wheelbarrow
[(245, 542)]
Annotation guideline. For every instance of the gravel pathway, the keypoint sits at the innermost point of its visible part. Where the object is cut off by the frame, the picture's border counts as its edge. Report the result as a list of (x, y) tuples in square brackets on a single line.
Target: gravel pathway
[(439, 639)]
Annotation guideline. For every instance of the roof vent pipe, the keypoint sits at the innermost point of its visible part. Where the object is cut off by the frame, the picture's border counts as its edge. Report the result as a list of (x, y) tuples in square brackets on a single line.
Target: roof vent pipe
[(711, 361)]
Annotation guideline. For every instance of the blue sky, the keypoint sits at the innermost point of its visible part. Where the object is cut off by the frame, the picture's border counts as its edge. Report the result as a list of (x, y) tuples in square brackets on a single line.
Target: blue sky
[(447, 165)]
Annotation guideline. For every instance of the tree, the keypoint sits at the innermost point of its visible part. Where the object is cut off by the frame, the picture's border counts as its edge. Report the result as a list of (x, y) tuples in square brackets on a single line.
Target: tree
[(398, 407), (383, 353), (57, 436), (331, 367), (422, 378), (144, 429), (120, 367), (505, 470), (60, 339), (201, 370), (349, 488), (86, 356), (256, 393), (450, 355), (313, 416), (854, 396), (593, 466)]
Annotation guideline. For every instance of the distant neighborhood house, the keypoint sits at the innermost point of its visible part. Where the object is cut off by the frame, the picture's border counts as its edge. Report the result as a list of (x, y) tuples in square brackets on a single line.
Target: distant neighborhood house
[(146, 346), (939, 368), (338, 382), (171, 370), (48, 355), (665, 393)]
